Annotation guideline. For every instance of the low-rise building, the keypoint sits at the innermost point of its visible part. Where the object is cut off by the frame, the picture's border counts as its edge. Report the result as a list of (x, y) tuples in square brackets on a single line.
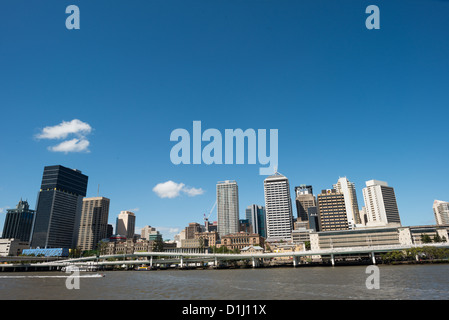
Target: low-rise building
[(241, 240), (12, 247)]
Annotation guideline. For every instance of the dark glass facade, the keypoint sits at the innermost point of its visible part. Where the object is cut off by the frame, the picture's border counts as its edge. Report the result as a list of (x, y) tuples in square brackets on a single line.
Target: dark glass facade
[(18, 222), (58, 211)]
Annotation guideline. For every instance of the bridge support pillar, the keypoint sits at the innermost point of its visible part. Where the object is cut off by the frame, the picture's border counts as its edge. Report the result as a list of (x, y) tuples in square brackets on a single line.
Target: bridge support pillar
[(295, 261), (255, 262), (216, 262), (151, 261), (181, 263), (373, 257), (332, 259)]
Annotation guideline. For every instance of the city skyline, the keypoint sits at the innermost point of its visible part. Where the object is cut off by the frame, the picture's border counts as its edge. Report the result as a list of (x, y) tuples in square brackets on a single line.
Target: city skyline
[(346, 101)]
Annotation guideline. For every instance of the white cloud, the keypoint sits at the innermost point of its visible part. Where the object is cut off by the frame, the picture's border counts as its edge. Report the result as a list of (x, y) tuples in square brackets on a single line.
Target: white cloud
[(62, 130), (192, 192), (75, 127), (170, 189), (74, 145)]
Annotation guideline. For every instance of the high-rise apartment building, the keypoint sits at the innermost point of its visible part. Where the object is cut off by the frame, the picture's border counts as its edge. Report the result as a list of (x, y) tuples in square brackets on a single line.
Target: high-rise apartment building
[(227, 207), (58, 211), (256, 216), (347, 188), (126, 222), (278, 207), (332, 210), (380, 204), (18, 222), (441, 211), (94, 222), (304, 200)]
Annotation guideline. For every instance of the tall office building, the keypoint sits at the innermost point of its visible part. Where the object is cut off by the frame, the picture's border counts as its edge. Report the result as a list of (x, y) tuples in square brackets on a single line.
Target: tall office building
[(304, 200), (126, 223), (278, 207), (94, 222), (441, 210), (18, 222), (256, 216), (227, 208), (380, 204), (332, 210), (347, 188), (59, 206)]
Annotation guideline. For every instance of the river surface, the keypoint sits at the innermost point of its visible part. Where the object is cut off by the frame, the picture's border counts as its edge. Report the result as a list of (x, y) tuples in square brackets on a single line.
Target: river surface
[(404, 282)]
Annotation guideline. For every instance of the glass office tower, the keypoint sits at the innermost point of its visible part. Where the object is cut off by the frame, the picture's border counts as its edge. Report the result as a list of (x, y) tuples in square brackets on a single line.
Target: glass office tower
[(58, 210), (18, 222)]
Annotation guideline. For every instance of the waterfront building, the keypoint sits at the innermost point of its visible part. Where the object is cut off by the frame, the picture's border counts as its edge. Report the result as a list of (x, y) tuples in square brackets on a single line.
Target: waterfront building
[(441, 211), (380, 204), (304, 200), (252, 249), (375, 236), (415, 234), (12, 247), (332, 211), (278, 208), (210, 236), (94, 222), (59, 205), (18, 222), (241, 240), (227, 207), (347, 188), (256, 217), (126, 222)]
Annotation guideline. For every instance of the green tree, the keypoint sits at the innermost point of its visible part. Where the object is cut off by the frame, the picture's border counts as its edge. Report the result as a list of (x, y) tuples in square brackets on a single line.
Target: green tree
[(425, 238)]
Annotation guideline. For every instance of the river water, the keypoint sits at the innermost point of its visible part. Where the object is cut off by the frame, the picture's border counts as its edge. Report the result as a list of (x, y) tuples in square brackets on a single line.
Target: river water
[(403, 282)]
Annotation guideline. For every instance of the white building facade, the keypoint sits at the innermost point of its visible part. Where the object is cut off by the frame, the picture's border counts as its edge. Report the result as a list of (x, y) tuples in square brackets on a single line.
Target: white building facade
[(227, 208), (278, 208), (380, 204)]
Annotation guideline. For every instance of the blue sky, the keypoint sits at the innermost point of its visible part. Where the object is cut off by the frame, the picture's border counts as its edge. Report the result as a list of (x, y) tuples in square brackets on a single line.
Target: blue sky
[(347, 101)]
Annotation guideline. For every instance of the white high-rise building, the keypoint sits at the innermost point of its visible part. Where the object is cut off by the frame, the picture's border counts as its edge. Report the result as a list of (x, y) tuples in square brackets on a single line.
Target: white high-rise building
[(126, 222), (380, 204), (352, 207), (278, 207), (441, 210), (227, 208)]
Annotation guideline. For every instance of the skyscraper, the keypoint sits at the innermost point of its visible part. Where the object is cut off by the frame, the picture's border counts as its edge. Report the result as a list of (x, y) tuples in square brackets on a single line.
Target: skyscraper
[(332, 210), (94, 222), (227, 208), (380, 204), (441, 210), (59, 206), (304, 200), (347, 188), (126, 222), (278, 207), (18, 222), (256, 216)]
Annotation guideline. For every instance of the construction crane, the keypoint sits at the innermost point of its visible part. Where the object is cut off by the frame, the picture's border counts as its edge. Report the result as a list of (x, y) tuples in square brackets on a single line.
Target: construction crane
[(206, 220)]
